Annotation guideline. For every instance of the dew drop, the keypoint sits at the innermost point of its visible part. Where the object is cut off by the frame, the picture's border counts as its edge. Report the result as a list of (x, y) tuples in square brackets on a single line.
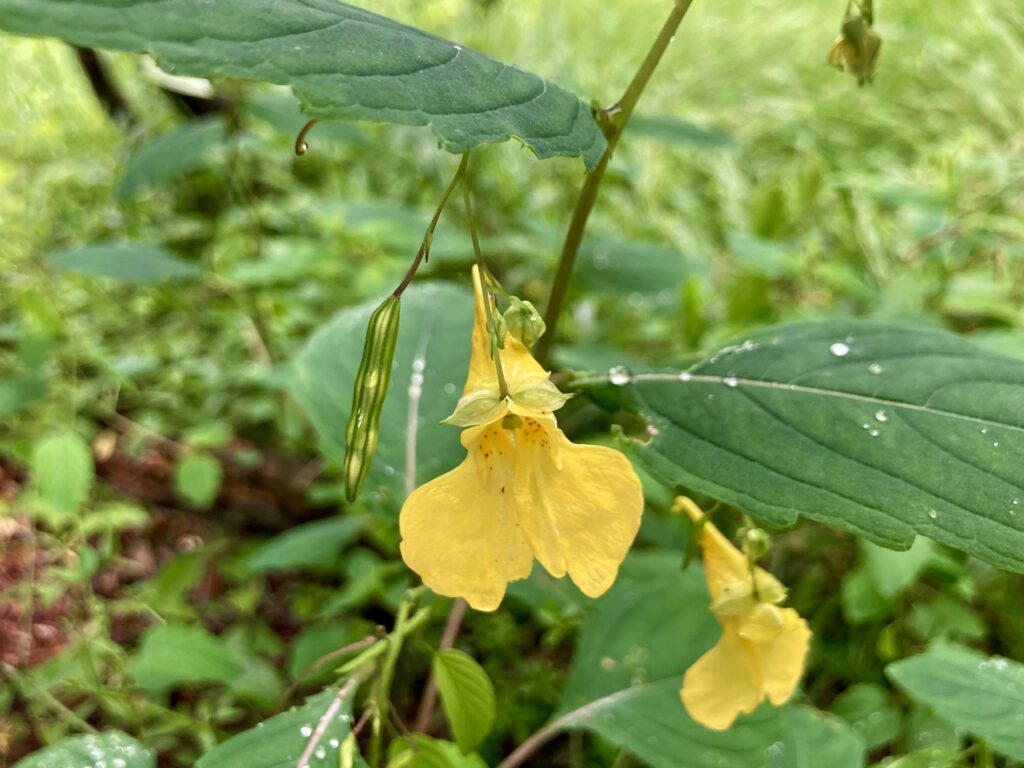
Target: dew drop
[(881, 416), (306, 731), (334, 743), (874, 432), (1015, 502), (731, 381), (320, 753), (875, 369), (839, 349), (995, 444), (685, 376), (984, 430), (619, 376), (607, 663), (449, 388), (933, 514)]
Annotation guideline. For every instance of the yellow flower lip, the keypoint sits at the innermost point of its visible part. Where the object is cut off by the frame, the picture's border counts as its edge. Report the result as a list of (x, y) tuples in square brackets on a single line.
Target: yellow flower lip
[(763, 647), (524, 490)]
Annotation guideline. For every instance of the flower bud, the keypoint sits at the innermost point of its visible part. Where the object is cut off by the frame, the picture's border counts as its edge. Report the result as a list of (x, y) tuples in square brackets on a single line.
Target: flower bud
[(524, 321), (856, 49), (371, 388)]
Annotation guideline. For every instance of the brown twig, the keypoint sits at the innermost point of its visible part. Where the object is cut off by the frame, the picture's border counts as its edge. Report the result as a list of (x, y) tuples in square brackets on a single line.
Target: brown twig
[(429, 700), (360, 645)]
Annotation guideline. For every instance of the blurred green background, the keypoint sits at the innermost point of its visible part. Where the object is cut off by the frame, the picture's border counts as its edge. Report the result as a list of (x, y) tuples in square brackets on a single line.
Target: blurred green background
[(756, 185)]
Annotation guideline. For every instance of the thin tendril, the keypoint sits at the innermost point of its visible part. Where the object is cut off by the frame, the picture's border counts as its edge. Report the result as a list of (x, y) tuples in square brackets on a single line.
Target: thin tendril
[(301, 147)]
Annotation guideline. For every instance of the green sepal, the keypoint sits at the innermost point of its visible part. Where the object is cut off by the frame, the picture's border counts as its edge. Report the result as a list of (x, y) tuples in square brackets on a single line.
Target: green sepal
[(540, 395), (481, 407)]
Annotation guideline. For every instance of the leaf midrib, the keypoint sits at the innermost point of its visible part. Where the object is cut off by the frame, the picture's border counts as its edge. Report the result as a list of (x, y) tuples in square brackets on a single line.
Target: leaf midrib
[(736, 381)]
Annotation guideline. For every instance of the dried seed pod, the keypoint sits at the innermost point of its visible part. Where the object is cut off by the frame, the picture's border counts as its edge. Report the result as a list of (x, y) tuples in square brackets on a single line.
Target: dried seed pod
[(368, 395)]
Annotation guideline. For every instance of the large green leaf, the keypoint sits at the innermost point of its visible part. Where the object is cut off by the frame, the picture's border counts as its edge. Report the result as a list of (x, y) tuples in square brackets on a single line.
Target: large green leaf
[(279, 742), (131, 262), (112, 748), (625, 681), (468, 697), (881, 430), (433, 349), (981, 694), (342, 62)]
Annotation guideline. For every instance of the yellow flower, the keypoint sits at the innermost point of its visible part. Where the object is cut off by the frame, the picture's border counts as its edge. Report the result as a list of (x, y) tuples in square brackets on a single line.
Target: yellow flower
[(762, 649), (523, 491)]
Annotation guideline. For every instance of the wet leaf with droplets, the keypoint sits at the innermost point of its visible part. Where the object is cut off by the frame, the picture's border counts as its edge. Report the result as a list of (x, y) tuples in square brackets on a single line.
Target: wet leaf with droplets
[(279, 742), (882, 430), (112, 749), (984, 695)]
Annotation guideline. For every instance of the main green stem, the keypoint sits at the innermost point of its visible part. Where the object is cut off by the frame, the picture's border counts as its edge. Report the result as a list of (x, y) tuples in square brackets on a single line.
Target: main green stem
[(618, 117)]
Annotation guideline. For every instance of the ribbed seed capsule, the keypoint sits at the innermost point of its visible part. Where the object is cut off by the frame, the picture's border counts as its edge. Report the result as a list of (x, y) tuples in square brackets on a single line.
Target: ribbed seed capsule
[(368, 396)]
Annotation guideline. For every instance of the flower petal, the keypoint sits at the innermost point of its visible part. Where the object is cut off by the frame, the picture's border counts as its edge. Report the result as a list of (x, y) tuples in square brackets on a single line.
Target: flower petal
[(580, 505), (782, 657), (460, 534), (516, 361), (723, 683)]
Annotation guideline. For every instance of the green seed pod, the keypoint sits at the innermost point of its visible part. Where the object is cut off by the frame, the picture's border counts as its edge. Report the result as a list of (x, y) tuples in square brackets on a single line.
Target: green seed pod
[(368, 396)]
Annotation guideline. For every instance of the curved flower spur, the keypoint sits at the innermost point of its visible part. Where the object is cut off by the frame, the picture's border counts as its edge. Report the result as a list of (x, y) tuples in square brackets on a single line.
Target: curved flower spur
[(523, 492)]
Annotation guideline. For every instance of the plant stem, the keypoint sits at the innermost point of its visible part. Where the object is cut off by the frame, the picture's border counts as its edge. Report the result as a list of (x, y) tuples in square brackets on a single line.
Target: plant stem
[(451, 631), (618, 117), (424, 251), (393, 646)]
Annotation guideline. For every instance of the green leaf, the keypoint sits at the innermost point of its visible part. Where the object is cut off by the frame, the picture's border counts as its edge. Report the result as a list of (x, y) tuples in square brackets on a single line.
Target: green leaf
[(467, 695), (892, 572), (197, 479), (868, 708), (131, 262), (18, 393), (419, 751), (310, 545), (279, 742), (175, 153), (625, 267), (881, 430), (627, 673), (63, 471), (174, 654), (945, 617), (929, 757), (341, 61), (112, 748), (983, 695), (435, 337)]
